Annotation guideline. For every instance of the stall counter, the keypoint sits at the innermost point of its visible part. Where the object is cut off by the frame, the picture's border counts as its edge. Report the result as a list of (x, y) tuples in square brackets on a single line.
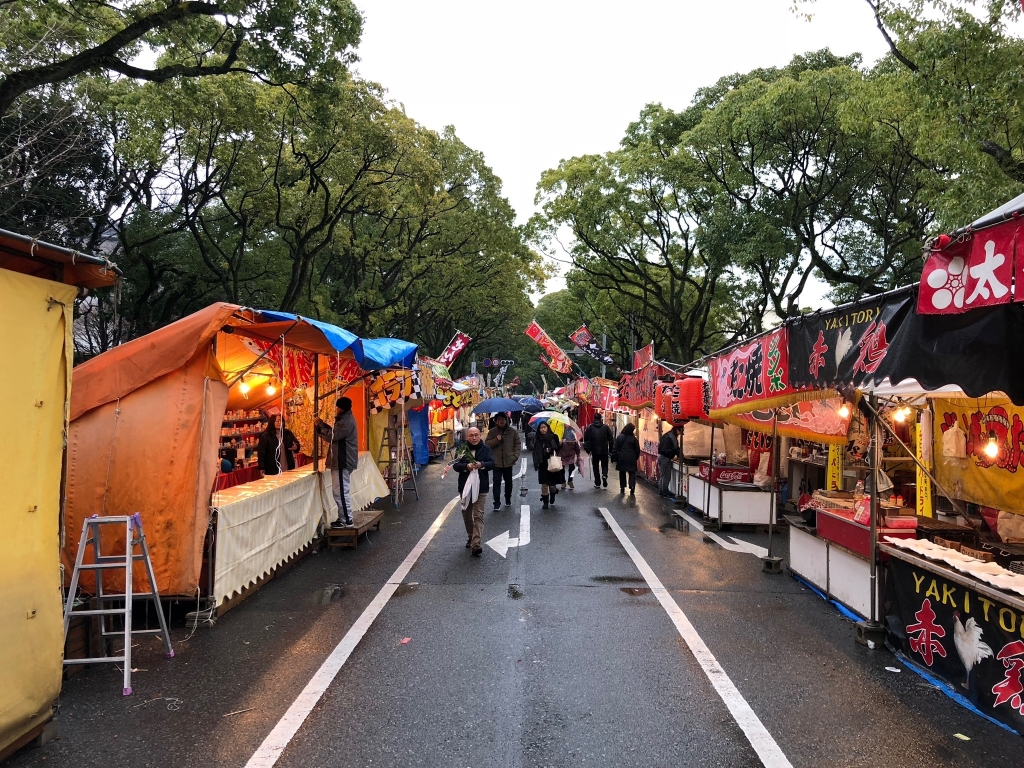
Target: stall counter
[(262, 524), (739, 503)]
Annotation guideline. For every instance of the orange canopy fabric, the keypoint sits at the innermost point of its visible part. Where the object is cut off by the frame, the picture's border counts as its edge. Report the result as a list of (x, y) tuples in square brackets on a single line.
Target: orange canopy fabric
[(155, 452), (130, 366), (145, 432)]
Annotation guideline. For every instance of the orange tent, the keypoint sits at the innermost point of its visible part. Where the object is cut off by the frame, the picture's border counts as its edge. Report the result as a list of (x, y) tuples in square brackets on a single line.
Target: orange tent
[(145, 432)]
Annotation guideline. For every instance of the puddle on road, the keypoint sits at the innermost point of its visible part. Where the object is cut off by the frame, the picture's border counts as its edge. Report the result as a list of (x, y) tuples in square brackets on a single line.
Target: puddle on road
[(404, 589), (332, 593), (617, 579), (636, 590), (515, 592)]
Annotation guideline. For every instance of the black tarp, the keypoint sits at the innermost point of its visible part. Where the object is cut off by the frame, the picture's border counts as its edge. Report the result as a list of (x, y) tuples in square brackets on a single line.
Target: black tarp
[(862, 343)]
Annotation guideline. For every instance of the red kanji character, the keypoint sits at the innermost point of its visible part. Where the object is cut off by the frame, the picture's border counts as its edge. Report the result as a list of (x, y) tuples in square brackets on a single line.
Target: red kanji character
[(1010, 688), (817, 358), (925, 643), (873, 347)]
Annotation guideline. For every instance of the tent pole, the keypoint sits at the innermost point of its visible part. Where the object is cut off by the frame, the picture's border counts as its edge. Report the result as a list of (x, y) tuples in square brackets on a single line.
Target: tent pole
[(772, 564), (870, 632), (921, 465), (316, 414), (711, 475)]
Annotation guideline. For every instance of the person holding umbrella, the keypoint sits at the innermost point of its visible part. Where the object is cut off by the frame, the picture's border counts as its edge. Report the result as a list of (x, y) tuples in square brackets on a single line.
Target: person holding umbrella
[(545, 448), (503, 440)]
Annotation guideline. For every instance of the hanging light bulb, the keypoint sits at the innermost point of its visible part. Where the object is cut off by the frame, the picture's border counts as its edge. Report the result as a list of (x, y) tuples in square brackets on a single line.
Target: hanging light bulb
[(844, 410), (271, 389), (900, 414), (991, 447), (243, 388)]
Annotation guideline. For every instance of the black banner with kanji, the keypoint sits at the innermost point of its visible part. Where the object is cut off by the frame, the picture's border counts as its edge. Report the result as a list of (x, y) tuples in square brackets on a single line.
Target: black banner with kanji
[(848, 345), (971, 641), (979, 351)]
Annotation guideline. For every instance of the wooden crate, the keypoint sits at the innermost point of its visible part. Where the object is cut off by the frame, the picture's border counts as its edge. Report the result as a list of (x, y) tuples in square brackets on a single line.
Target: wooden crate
[(347, 538)]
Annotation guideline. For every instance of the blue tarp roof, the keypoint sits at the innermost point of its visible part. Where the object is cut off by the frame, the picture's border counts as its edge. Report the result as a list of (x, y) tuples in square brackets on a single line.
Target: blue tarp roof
[(383, 353), (371, 354)]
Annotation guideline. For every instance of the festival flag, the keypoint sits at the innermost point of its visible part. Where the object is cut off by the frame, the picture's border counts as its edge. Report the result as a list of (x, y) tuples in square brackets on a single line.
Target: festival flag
[(642, 357), (455, 348), (587, 341), (975, 271), (557, 360)]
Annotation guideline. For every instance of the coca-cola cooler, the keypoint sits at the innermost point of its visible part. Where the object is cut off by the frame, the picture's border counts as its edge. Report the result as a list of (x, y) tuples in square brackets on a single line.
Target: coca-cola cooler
[(730, 496), (726, 473)]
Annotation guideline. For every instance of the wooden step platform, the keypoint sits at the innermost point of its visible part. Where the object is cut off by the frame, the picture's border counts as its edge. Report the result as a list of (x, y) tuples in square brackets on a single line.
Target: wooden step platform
[(347, 538)]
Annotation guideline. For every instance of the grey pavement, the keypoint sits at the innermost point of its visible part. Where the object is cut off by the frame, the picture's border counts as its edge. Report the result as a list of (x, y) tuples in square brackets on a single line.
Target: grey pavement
[(558, 655)]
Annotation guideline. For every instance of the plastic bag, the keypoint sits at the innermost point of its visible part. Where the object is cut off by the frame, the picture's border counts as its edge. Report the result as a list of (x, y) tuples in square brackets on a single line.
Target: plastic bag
[(954, 443)]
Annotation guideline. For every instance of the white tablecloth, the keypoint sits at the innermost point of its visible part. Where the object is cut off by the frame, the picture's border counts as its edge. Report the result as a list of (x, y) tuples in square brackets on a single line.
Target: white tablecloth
[(264, 523)]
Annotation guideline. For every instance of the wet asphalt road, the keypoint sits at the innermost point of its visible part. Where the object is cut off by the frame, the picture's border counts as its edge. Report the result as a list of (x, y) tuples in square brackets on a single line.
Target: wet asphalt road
[(557, 655)]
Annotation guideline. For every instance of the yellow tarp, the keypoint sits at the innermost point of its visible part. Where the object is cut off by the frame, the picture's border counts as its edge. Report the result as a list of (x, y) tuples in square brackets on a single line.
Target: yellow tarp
[(37, 344), (991, 482)]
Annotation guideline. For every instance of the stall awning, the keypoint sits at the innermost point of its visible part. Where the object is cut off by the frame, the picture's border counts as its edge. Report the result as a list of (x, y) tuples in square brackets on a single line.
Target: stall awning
[(311, 335), (385, 353)]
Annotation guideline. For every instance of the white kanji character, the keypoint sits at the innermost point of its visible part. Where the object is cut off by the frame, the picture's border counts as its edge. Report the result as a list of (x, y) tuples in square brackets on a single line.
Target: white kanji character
[(985, 274)]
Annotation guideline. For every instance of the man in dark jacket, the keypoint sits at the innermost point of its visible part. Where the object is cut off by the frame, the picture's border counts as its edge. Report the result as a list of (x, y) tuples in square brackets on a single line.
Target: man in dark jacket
[(503, 440), (668, 449), (342, 458), (474, 456), (597, 440)]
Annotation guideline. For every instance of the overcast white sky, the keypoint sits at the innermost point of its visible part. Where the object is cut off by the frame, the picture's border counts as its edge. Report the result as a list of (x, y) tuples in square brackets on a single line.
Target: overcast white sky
[(532, 82)]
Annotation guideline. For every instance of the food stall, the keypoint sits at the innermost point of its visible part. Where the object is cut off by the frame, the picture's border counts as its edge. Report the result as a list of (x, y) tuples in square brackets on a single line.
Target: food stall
[(151, 418), (39, 284)]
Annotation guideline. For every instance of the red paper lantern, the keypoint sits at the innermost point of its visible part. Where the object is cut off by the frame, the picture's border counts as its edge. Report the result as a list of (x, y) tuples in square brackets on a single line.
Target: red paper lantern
[(679, 401), (691, 397)]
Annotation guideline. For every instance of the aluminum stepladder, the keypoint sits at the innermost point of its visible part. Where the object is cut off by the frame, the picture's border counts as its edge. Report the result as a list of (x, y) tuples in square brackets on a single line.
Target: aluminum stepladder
[(91, 536)]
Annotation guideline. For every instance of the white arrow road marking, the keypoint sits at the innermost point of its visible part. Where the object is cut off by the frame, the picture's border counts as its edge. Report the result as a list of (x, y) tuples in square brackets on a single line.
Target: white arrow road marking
[(501, 544), (767, 749), (753, 549), (272, 747), (522, 470), (734, 545), (726, 544), (691, 520)]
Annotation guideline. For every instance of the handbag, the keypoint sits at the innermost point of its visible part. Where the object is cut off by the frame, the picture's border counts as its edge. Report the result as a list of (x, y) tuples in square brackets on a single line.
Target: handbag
[(555, 463)]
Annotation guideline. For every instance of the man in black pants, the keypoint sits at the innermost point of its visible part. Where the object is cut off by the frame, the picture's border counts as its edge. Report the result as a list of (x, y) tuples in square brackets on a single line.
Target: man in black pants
[(503, 440), (597, 440)]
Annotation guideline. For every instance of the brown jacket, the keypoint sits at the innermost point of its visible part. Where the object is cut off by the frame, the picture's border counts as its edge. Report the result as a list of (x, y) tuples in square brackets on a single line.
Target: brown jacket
[(506, 451)]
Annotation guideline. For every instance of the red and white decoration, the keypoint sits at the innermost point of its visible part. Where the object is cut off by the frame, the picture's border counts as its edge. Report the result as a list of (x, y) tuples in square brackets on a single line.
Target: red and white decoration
[(455, 348), (976, 271)]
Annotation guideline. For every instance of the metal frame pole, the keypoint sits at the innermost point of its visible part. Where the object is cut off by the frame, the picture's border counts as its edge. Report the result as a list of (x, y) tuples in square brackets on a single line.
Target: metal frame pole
[(772, 564)]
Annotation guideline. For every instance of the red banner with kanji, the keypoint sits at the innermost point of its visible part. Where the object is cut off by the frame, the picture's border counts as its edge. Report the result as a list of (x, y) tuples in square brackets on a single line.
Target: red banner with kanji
[(643, 356), (752, 376), (455, 348), (637, 389), (556, 358), (971, 271)]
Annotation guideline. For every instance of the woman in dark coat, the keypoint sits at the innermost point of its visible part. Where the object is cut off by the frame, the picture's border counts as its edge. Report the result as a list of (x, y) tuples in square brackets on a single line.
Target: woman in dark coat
[(271, 461), (545, 445), (626, 454)]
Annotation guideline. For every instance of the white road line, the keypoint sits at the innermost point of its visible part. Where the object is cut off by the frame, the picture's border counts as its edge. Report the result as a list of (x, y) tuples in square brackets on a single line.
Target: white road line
[(522, 470), (762, 742), (691, 520), (727, 544), (272, 747)]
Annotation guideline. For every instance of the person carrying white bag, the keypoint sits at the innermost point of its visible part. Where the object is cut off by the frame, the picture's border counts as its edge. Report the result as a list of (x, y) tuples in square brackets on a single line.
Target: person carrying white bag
[(473, 464)]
